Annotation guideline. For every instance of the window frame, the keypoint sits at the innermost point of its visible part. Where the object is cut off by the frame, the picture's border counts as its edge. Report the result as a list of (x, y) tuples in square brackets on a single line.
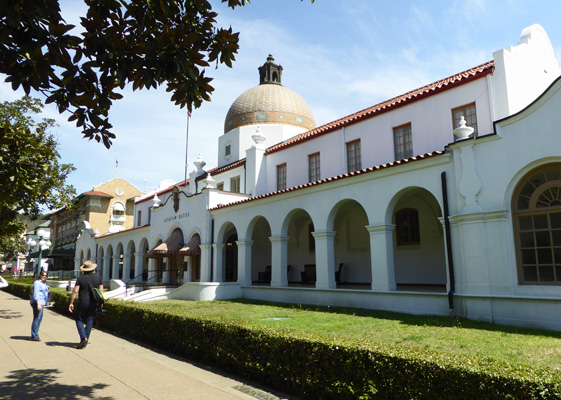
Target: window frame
[(235, 184), (468, 118), (404, 149), (354, 155), (314, 168), (281, 176), (535, 214), (407, 234)]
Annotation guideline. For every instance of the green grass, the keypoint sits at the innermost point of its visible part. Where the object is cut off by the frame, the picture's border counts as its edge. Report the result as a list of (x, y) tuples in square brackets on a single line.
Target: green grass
[(530, 347)]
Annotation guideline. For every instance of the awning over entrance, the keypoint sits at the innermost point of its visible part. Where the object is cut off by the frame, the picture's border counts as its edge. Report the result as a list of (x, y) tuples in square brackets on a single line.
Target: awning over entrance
[(53, 253), (168, 248), (192, 248)]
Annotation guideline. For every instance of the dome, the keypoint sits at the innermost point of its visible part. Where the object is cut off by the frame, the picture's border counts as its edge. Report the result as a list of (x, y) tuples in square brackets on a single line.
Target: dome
[(269, 103)]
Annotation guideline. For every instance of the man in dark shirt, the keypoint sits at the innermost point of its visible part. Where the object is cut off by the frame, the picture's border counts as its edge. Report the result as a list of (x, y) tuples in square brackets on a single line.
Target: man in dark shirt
[(86, 304)]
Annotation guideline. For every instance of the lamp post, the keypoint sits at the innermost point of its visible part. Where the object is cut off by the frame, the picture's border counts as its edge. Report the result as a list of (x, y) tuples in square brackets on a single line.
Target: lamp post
[(43, 243)]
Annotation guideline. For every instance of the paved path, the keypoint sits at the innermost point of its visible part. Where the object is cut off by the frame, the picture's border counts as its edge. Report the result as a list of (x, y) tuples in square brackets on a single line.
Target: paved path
[(108, 368)]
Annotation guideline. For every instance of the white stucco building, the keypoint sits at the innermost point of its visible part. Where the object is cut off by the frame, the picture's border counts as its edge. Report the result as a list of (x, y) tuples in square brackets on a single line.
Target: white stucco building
[(382, 209)]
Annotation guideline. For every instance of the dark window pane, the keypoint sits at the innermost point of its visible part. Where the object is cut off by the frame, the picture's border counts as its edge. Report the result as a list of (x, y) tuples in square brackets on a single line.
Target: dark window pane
[(530, 274), (556, 236), (546, 274), (523, 203), (545, 256), (555, 220), (540, 221), (525, 223), (528, 257), (543, 239), (553, 174), (557, 256), (527, 239), (558, 272)]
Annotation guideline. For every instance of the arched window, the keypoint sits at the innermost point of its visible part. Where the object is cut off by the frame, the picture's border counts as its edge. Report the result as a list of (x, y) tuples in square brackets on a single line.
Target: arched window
[(118, 209), (536, 215), (407, 227)]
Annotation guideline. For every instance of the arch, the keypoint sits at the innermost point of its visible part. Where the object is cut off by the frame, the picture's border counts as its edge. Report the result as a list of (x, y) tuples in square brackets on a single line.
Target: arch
[(298, 226), (192, 257), (89, 254), (351, 244), (81, 257), (117, 272), (418, 241), (100, 264), (259, 230), (131, 250), (144, 248), (230, 255), (109, 262), (536, 218)]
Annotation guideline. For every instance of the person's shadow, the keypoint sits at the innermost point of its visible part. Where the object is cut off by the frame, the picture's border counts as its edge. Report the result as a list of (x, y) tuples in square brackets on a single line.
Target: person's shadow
[(51, 343)]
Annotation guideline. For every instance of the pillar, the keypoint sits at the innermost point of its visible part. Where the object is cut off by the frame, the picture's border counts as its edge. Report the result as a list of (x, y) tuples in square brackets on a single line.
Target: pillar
[(381, 257), (218, 267), (206, 264), (325, 259), (279, 255), (244, 262)]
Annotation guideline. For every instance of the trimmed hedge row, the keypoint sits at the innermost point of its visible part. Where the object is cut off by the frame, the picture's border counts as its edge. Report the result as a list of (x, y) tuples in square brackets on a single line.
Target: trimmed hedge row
[(315, 366)]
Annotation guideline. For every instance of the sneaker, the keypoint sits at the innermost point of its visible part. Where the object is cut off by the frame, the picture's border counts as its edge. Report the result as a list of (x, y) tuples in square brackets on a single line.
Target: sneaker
[(82, 343), (36, 340)]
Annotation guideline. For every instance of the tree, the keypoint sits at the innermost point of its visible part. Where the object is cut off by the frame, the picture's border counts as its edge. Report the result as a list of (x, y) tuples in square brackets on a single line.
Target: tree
[(31, 176), (143, 42)]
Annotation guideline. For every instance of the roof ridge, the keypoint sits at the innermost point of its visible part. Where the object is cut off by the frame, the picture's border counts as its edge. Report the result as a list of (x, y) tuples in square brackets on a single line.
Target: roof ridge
[(400, 100)]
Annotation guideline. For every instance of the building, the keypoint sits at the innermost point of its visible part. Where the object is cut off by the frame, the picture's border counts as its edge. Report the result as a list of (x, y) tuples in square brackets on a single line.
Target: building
[(445, 200), (107, 208)]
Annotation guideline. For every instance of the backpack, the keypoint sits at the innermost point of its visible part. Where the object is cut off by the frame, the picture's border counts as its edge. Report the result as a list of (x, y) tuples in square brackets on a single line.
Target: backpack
[(97, 296)]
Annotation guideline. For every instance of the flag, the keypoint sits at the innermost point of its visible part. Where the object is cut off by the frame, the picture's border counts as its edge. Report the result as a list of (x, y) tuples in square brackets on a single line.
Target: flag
[(116, 163)]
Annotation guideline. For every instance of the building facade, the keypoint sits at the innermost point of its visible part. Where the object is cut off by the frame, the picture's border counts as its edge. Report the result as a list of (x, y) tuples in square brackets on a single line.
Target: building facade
[(445, 200)]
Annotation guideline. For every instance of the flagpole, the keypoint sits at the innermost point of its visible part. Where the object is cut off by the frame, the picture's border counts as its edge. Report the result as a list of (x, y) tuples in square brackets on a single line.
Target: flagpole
[(115, 169), (187, 145)]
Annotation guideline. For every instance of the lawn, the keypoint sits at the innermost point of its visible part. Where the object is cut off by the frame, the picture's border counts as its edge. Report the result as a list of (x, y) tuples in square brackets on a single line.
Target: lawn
[(531, 347)]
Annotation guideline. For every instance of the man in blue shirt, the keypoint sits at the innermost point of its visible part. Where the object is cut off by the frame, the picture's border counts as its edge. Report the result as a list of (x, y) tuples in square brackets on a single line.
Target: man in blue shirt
[(38, 301)]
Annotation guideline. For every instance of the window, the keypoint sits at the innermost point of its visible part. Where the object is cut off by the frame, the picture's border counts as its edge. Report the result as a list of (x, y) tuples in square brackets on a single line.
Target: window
[(139, 218), (149, 215), (118, 209), (403, 142), (536, 215), (220, 186), (354, 161), (235, 184), (281, 177), (469, 114), (227, 150), (407, 227), (313, 167)]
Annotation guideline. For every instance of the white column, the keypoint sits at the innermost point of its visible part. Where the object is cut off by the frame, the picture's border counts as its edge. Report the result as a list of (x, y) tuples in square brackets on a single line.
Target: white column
[(381, 257), (166, 273), (77, 266), (188, 269), (152, 270), (115, 272), (206, 267), (218, 267), (126, 267), (244, 262), (138, 262), (279, 255), (325, 259), (106, 263)]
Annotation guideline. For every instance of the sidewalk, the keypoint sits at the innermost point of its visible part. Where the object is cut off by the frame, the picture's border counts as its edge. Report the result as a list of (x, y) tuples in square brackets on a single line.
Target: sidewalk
[(108, 368)]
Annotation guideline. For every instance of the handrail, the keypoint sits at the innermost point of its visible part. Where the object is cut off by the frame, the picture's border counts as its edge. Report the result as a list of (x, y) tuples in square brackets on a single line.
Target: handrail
[(158, 275)]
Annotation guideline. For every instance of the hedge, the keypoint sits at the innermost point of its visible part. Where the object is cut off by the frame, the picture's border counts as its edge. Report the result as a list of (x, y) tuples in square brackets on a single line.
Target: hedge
[(317, 366)]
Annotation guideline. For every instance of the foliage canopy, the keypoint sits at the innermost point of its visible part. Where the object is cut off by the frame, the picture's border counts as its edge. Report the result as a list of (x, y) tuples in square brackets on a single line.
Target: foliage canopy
[(31, 176), (143, 42)]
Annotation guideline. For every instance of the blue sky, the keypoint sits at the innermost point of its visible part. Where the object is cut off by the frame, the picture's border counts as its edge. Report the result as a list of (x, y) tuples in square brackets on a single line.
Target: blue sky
[(341, 56)]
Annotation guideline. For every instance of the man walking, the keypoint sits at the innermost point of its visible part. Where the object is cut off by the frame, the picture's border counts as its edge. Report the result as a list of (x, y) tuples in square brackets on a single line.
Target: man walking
[(38, 301), (86, 304)]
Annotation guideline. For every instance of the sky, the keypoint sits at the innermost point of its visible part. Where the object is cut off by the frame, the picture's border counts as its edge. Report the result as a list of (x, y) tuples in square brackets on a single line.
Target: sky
[(341, 56)]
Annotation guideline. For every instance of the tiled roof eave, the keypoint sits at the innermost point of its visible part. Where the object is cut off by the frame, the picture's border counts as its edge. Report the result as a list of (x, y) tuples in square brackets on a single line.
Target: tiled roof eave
[(400, 101), (336, 178)]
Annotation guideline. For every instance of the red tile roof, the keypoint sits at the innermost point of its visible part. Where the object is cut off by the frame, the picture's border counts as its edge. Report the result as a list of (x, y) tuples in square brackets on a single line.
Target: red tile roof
[(123, 231), (215, 171), (415, 95), (94, 193), (335, 178)]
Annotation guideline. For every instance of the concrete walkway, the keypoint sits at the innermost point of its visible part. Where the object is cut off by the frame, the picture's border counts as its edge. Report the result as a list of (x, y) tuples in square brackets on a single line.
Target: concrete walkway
[(108, 368)]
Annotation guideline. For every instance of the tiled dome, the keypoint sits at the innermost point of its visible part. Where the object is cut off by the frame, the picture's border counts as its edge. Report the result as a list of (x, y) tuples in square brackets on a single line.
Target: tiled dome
[(269, 103)]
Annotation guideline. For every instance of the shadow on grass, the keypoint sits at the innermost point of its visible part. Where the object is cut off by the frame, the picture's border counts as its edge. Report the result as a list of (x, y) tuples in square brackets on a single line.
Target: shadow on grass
[(417, 320), (42, 383)]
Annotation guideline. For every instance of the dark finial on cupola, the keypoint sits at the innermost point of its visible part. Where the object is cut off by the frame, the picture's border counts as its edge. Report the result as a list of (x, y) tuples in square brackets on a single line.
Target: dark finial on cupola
[(270, 72)]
